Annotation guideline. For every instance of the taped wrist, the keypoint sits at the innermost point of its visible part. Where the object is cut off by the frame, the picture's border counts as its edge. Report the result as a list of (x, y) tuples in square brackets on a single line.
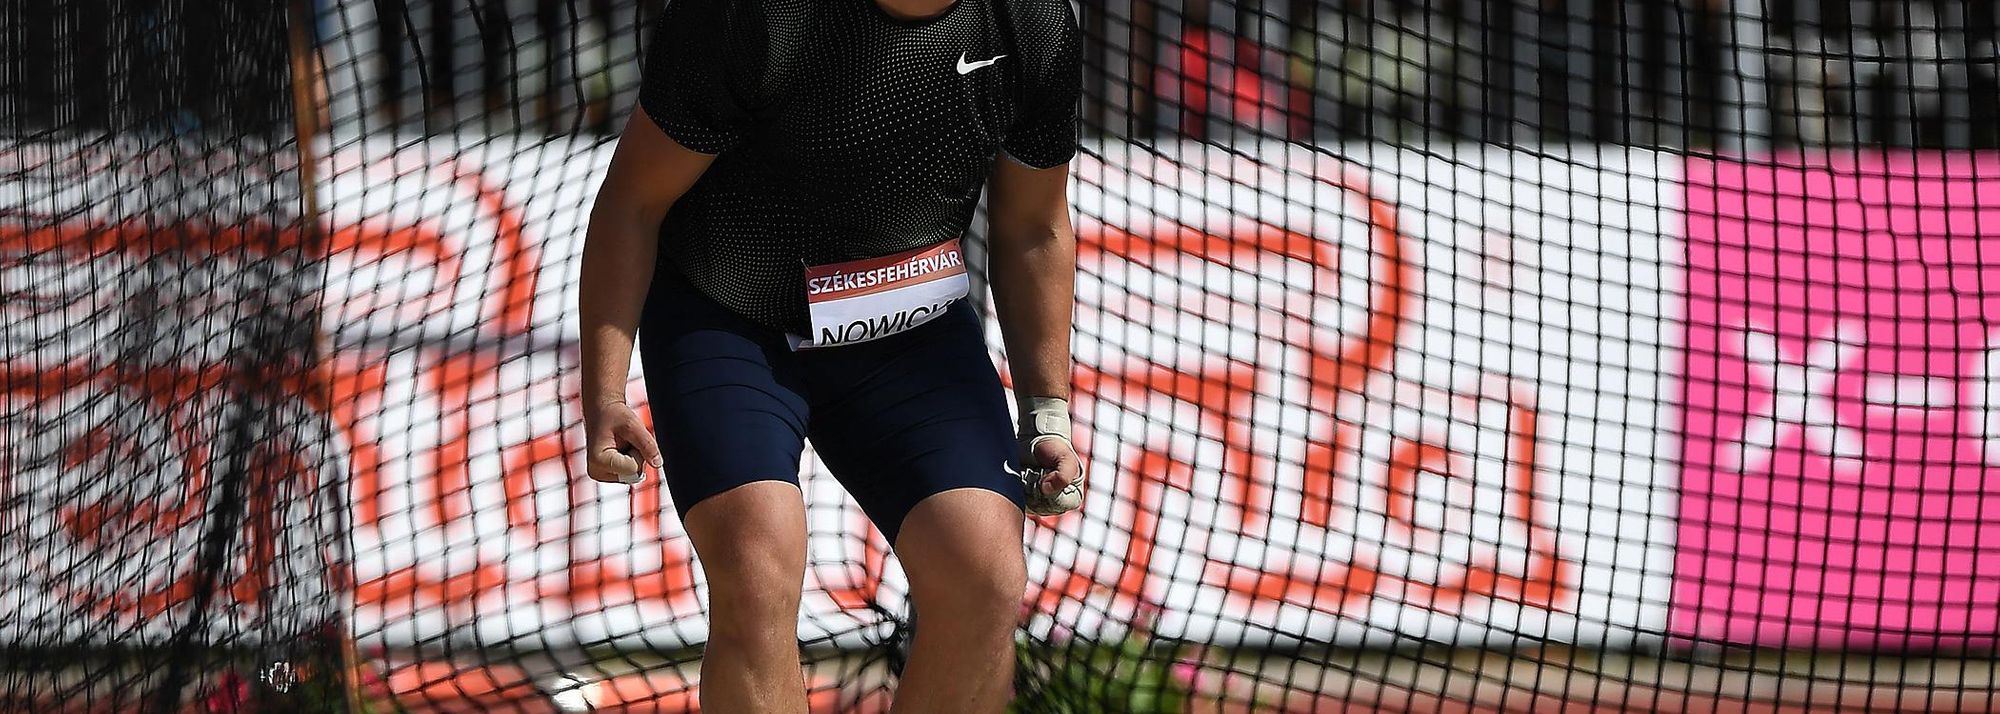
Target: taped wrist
[(1043, 417)]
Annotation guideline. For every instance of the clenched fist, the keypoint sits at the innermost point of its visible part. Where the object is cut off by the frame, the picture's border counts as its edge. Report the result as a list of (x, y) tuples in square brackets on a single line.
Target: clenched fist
[(1052, 471), (617, 442)]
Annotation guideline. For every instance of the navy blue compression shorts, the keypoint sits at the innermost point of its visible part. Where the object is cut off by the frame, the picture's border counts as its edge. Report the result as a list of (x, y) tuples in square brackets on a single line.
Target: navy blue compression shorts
[(897, 419)]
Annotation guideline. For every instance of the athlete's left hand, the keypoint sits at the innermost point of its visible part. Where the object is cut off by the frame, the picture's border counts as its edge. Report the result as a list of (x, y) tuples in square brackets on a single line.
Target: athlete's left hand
[(1052, 469), (1061, 467)]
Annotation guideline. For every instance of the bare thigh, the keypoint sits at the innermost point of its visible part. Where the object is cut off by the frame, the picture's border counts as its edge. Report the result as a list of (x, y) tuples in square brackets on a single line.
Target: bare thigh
[(963, 550)]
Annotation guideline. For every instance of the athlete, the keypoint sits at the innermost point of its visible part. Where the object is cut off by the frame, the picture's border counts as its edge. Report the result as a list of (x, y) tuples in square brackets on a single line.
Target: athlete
[(779, 234)]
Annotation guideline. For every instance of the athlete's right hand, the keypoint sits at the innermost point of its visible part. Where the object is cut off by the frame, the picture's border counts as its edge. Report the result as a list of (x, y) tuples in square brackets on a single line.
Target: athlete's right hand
[(617, 440)]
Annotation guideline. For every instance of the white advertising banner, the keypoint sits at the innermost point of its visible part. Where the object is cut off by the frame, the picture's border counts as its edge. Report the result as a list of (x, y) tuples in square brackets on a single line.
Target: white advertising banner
[(1370, 394), (1345, 395)]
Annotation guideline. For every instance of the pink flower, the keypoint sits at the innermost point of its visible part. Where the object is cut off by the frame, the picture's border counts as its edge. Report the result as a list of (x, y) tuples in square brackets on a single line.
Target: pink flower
[(229, 694)]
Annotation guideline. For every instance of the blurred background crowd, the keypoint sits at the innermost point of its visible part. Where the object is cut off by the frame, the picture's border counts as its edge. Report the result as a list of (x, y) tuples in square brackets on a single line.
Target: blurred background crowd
[(1680, 73), (1721, 74)]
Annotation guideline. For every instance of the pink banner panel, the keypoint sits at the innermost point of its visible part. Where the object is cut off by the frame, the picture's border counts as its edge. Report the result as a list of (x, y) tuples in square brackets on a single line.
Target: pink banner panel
[(1841, 473)]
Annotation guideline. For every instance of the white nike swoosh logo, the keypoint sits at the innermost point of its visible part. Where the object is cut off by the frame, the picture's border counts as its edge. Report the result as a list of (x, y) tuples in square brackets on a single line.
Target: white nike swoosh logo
[(965, 67)]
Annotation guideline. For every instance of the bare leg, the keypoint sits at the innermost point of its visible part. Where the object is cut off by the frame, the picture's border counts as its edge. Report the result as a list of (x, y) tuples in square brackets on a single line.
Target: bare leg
[(751, 542), (962, 549)]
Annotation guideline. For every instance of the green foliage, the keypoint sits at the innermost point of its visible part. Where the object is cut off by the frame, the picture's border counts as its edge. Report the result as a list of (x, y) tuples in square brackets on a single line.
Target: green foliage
[(311, 684), (1134, 675)]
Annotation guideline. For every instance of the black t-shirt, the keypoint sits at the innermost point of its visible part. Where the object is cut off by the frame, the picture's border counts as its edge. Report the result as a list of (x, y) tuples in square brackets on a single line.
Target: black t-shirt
[(842, 132)]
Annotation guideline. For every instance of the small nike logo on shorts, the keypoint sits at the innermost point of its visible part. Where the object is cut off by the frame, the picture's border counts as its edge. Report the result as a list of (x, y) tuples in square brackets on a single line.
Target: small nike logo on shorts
[(965, 67)]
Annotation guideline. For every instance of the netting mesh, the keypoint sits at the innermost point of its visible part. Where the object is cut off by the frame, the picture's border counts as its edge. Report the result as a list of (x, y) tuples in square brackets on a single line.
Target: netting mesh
[(170, 512), (1460, 355)]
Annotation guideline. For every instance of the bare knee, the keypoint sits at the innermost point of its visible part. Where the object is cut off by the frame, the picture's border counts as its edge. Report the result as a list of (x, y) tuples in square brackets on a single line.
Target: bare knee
[(753, 590), (979, 597), (751, 545), (996, 585), (769, 613)]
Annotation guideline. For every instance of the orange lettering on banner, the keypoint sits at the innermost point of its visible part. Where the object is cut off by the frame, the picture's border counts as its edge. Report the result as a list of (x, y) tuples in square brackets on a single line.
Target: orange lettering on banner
[(174, 399), (457, 385), (1355, 357), (516, 263), (356, 389), (377, 237), (1222, 393), (519, 479), (600, 580), (358, 383), (349, 392), (453, 381), (144, 239), (359, 396), (420, 586), (1541, 584), (1163, 248), (590, 579)]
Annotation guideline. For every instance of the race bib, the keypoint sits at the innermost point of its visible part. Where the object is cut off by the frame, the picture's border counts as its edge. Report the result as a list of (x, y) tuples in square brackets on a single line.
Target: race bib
[(862, 300)]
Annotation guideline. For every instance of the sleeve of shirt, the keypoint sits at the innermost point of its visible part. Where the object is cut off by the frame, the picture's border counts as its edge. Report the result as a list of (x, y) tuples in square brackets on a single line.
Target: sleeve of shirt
[(1044, 135), (698, 83)]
